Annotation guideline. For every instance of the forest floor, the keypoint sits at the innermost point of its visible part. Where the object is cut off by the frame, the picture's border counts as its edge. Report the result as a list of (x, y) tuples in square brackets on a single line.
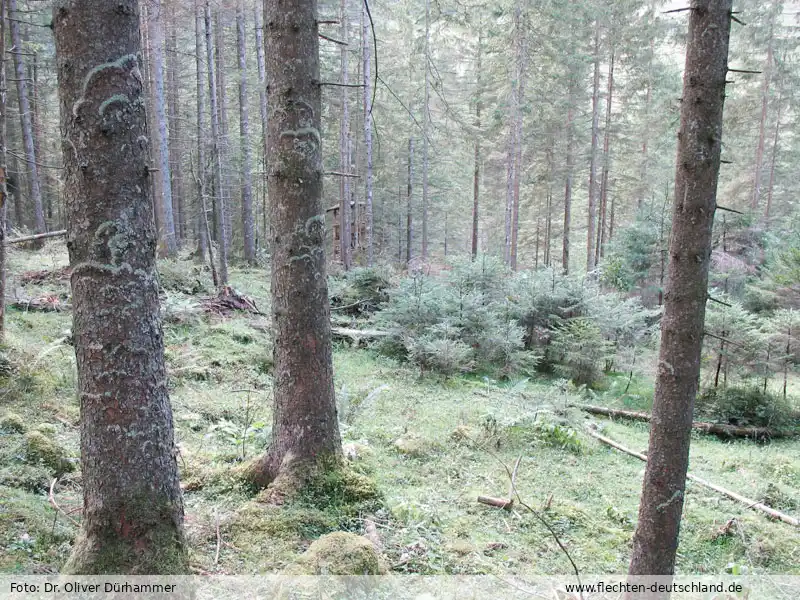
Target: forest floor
[(431, 445)]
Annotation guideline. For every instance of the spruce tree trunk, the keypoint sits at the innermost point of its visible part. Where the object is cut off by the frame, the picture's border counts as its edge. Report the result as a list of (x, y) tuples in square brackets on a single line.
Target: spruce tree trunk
[(345, 215), (476, 177), (570, 167), (771, 184), (225, 188), (699, 142), (175, 150), (593, 183), (263, 105), (200, 174), (220, 212), (426, 130), (3, 170), (367, 75), (305, 425), (522, 48), (26, 124), (409, 215), (601, 229), (762, 125), (155, 23), (132, 507), (244, 131)]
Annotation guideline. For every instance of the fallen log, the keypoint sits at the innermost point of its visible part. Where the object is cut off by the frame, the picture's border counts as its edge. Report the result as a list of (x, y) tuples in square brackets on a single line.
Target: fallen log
[(356, 336), (718, 429), (775, 514), (38, 236), (44, 304)]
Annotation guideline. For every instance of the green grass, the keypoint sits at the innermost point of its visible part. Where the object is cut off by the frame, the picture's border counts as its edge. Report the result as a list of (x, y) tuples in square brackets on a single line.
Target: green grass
[(457, 437)]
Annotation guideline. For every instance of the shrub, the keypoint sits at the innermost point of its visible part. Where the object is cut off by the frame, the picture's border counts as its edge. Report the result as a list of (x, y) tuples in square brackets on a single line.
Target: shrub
[(360, 290), (578, 350), (745, 406)]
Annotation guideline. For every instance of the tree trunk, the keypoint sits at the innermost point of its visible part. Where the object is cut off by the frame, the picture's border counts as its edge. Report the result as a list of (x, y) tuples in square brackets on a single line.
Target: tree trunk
[(174, 102), (3, 170), (225, 189), (601, 229), (244, 130), (367, 75), (155, 25), (426, 130), (762, 124), (200, 176), (775, 139), (220, 211), (345, 216), (570, 166), (263, 99), (132, 507), (476, 178), (409, 215), (26, 124), (643, 186), (522, 48), (593, 183), (699, 142), (305, 425)]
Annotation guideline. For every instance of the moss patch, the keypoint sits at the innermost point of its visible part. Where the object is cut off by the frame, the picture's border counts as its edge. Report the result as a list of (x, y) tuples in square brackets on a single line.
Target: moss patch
[(39, 449), (340, 553), (12, 423)]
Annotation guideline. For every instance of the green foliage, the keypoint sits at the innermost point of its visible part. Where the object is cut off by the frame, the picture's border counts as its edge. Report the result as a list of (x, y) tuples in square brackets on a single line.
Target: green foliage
[(559, 436), (39, 449), (12, 423), (580, 351), (632, 255), (745, 406), (360, 290)]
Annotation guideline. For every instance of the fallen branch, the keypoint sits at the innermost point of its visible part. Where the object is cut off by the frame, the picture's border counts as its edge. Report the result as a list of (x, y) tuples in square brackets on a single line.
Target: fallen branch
[(43, 304), (719, 429), (504, 503), (38, 236), (51, 496), (719, 489), (228, 299), (357, 335)]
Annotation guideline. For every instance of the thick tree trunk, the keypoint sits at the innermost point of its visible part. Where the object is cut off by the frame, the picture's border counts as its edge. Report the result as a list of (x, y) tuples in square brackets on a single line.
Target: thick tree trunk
[(367, 75), (305, 425), (345, 215), (699, 142), (220, 210), (244, 130), (426, 129), (132, 511), (31, 164), (601, 229), (476, 177), (263, 104), (593, 183), (155, 25)]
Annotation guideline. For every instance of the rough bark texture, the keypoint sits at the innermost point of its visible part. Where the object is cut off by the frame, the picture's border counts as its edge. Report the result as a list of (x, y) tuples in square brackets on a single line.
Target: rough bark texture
[(133, 512), (31, 165), (166, 234), (305, 425), (244, 131), (699, 142)]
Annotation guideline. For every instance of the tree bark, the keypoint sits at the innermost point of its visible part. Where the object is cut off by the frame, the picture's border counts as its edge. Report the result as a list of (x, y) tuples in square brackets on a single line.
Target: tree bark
[(522, 49), (26, 124), (426, 108), (593, 183), (132, 510), (409, 215), (476, 177), (244, 131), (305, 425), (570, 166), (174, 103), (698, 159), (220, 211), (3, 170), (345, 216), (200, 177), (367, 75), (225, 189), (155, 25), (263, 104), (601, 221)]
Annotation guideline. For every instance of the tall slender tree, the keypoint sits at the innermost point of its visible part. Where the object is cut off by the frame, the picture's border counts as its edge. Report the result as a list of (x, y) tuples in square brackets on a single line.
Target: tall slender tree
[(305, 431), (655, 542), (426, 130), (367, 75), (593, 157), (3, 169), (244, 131), (132, 506)]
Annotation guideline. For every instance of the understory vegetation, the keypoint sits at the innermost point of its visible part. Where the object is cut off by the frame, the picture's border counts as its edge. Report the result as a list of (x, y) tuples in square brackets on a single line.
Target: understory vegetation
[(474, 368)]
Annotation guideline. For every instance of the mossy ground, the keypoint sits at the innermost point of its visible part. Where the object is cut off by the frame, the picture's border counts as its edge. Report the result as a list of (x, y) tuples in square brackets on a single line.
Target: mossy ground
[(424, 511)]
